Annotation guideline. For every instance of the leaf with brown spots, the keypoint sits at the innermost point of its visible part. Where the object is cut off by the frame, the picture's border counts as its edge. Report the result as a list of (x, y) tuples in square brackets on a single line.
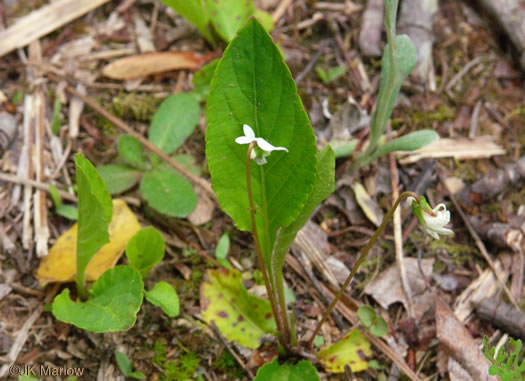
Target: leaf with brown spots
[(351, 349), (239, 316)]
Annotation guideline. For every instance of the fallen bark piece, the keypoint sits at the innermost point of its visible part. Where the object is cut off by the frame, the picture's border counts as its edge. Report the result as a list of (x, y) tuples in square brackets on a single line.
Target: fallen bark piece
[(510, 15), (146, 64), (415, 19), (502, 315), (43, 21), (480, 147), (457, 341)]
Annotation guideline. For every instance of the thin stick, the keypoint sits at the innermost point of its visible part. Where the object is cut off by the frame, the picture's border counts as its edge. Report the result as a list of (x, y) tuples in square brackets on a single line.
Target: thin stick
[(45, 187), (479, 243), (145, 142), (260, 257), (398, 238), (360, 260)]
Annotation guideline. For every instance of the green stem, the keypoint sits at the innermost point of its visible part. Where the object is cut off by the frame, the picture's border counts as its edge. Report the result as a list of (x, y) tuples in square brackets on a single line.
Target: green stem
[(360, 260), (279, 285), (260, 257), (81, 284)]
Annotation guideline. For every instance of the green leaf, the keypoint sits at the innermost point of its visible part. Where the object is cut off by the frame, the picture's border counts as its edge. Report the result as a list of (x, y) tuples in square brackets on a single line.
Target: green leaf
[(367, 315), (350, 350), (239, 316), (410, 142), (95, 209), (124, 363), (131, 150), (380, 327), (331, 74), (222, 250), (113, 304), (202, 80), (119, 178), (163, 295), (145, 250), (227, 16), (343, 148), (68, 211), (253, 86), (168, 192), (324, 185), (195, 12), (174, 121), (56, 121), (302, 371), (55, 196)]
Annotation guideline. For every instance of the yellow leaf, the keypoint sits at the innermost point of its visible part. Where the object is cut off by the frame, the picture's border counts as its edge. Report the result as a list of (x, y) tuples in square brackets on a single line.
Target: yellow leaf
[(60, 263), (351, 349)]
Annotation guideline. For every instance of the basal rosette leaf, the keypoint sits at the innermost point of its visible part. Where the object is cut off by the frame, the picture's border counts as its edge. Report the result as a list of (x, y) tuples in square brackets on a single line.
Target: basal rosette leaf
[(302, 371), (253, 86)]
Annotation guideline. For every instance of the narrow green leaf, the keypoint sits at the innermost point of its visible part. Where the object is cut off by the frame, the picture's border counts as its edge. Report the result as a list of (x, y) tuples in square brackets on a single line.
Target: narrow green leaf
[(131, 150), (145, 249), (253, 86), (55, 196), (343, 148), (163, 295), (227, 16), (410, 142), (239, 316), (195, 12), (274, 371), (113, 304), (174, 121), (56, 121), (124, 363), (119, 178), (94, 211), (68, 211), (222, 250), (331, 74), (168, 192), (324, 185)]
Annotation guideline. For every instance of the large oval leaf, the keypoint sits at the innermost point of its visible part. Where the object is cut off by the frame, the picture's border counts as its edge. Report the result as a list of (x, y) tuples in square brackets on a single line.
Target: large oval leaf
[(113, 305), (302, 371), (253, 86)]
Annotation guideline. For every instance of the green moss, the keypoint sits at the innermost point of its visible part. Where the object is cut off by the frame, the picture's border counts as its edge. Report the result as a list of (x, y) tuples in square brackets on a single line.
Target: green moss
[(135, 105), (181, 369), (229, 366), (442, 114)]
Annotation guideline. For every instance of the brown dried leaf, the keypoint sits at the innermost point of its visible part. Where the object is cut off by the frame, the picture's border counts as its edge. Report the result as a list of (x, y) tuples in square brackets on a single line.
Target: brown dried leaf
[(457, 341), (146, 64)]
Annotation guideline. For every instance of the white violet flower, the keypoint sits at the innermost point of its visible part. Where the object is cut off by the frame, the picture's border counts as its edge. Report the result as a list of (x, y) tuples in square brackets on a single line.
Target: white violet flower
[(267, 148), (433, 220)]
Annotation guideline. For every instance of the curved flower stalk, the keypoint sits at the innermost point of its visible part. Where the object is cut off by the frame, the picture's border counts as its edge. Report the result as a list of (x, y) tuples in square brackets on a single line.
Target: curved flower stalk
[(265, 147), (432, 220)]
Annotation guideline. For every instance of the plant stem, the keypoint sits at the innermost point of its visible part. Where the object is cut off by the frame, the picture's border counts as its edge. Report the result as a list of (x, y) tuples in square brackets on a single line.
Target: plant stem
[(260, 257), (279, 286), (359, 261), (81, 284)]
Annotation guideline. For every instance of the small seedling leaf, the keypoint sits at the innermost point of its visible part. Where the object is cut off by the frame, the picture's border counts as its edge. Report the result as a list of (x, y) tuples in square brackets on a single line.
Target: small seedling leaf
[(367, 315), (174, 121), (113, 304), (274, 371), (239, 316), (227, 16), (59, 264), (222, 250), (168, 192), (163, 295), (119, 178), (351, 349), (145, 249), (380, 327), (124, 363), (131, 150), (196, 13)]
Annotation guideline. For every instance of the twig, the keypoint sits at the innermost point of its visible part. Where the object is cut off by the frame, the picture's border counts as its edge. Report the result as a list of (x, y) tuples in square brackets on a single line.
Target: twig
[(455, 79), (27, 164), (279, 11), (145, 142), (39, 208), (230, 349), (398, 237), (35, 184), (479, 242), (312, 62)]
